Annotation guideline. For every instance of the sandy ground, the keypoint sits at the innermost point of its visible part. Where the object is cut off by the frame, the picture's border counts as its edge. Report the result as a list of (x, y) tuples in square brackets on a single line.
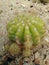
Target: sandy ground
[(9, 9)]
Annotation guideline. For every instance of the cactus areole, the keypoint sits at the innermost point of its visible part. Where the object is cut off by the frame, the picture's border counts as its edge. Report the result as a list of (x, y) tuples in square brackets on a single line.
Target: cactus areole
[(26, 30)]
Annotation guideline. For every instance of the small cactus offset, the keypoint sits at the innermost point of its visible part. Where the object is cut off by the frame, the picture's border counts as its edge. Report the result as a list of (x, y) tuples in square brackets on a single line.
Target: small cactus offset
[(26, 30)]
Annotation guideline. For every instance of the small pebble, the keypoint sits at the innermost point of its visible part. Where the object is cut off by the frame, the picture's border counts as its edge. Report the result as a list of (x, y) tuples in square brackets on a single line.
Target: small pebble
[(31, 6), (1, 11), (28, 0), (11, 8)]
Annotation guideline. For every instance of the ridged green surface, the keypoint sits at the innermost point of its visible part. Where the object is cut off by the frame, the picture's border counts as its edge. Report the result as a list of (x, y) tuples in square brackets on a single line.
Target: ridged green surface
[(24, 26)]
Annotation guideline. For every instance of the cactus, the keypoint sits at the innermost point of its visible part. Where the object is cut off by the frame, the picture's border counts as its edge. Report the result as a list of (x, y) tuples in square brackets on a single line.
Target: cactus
[(27, 29), (14, 49), (26, 52)]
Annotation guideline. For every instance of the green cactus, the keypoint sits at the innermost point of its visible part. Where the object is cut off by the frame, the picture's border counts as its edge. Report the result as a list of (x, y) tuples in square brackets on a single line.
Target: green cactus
[(23, 25), (28, 29)]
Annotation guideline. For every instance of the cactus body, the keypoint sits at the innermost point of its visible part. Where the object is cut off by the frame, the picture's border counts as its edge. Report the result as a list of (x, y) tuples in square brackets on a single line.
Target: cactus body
[(27, 29)]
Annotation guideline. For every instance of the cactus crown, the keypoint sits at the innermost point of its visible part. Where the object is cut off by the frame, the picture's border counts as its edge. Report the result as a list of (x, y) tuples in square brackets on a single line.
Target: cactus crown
[(26, 29)]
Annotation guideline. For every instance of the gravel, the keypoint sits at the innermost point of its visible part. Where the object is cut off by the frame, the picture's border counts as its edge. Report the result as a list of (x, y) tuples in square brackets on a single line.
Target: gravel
[(10, 8)]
